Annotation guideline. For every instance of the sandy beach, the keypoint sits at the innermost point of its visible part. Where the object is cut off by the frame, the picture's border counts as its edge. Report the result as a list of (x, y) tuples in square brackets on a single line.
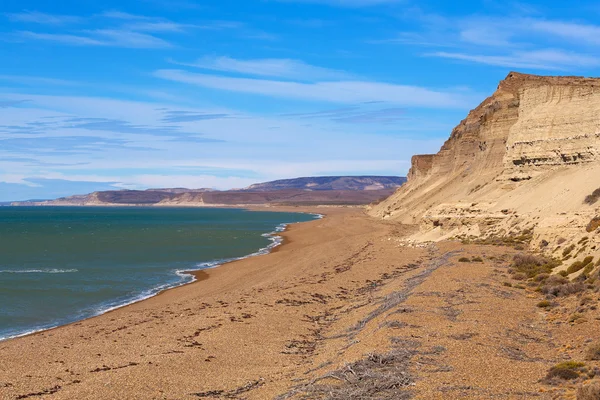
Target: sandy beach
[(340, 290)]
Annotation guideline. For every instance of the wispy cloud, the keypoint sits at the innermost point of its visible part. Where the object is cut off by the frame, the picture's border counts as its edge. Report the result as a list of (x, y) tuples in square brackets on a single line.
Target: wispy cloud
[(334, 92), (42, 18), (115, 14), (101, 37), (537, 59), (513, 42), (356, 115), (580, 33), (347, 3), (36, 80), (273, 67), (189, 116)]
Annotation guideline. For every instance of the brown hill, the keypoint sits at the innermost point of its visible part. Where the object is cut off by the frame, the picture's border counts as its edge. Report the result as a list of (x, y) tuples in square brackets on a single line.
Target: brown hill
[(335, 190), (523, 161)]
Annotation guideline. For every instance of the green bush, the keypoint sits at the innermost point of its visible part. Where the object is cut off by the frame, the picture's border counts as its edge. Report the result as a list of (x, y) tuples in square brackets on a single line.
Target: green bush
[(532, 265), (464, 260), (579, 265), (567, 371), (568, 250), (544, 304)]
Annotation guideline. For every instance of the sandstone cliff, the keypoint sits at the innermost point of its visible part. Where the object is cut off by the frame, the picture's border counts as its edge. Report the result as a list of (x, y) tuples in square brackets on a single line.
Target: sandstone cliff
[(523, 160)]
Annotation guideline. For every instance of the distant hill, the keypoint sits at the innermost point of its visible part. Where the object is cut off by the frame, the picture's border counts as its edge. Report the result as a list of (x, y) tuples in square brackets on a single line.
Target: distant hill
[(331, 183), (330, 190)]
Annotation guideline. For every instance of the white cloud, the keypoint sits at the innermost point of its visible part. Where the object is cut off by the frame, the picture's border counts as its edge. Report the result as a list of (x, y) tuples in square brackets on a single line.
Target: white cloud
[(536, 59), (101, 37), (42, 18), (335, 92), (274, 67), (513, 42), (347, 3), (114, 14), (580, 33)]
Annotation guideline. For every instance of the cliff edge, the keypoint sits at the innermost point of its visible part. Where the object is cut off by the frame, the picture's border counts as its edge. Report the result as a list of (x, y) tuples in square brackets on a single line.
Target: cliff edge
[(525, 160)]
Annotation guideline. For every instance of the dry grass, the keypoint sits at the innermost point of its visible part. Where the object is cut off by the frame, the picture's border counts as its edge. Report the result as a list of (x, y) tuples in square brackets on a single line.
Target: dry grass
[(589, 392), (593, 352), (378, 376)]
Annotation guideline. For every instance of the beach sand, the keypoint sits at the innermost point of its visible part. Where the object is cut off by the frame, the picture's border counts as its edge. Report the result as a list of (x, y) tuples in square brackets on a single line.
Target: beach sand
[(337, 290)]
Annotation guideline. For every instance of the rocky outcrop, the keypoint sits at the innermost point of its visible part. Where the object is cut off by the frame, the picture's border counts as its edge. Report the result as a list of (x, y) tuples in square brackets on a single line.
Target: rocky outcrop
[(525, 159)]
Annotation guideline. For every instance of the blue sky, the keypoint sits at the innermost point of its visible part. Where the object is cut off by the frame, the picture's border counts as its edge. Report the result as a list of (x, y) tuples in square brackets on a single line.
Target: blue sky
[(222, 94)]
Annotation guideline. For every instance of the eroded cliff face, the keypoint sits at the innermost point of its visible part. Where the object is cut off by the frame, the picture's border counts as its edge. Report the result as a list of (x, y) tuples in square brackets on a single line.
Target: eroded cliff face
[(525, 159)]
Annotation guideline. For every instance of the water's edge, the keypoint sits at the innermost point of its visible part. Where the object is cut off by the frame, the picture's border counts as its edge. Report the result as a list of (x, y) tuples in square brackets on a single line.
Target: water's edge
[(186, 277)]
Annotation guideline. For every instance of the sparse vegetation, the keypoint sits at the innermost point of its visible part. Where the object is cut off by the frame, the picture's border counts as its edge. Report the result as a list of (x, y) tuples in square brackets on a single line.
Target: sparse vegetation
[(376, 376), (532, 265), (593, 198), (593, 225), (477, 259), (579, 265), (589, 392), (568, 250), (593, 352), (567, 371), (464, 260), (559, 286), (544, 304)]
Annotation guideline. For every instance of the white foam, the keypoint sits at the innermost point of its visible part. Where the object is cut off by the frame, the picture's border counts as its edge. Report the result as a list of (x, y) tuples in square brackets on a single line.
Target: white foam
[(38, 271)]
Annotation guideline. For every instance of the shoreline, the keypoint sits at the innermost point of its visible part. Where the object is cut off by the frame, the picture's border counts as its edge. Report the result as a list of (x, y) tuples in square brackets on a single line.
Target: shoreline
[(343, 291), (197, 275)]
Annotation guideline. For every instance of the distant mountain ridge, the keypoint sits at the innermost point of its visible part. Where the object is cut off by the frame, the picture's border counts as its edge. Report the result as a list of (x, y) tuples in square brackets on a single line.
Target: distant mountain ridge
[(332, 183), (328, 190)]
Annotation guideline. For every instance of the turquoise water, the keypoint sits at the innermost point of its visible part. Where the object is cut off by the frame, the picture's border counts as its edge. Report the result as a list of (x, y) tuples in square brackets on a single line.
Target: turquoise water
[(62, 264)]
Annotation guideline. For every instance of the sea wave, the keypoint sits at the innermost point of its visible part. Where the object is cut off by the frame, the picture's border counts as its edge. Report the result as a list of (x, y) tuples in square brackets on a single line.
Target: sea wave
[(38, 271)]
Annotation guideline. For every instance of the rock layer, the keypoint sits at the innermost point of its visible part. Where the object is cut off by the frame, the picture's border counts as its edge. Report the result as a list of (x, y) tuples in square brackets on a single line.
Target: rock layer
[(525, 158)]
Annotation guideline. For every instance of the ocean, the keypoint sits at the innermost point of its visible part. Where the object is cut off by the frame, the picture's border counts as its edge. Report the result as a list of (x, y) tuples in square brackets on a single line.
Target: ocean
[(63, 264)]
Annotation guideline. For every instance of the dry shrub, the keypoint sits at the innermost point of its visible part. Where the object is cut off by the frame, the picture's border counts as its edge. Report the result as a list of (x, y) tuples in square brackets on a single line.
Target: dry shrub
[(544, 304), (589, 392), (593, 198), (593, 352), (565, 371), (558, 286), (568, 250), (593, 225), (532, 265), (379, 376), (579, 265)]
